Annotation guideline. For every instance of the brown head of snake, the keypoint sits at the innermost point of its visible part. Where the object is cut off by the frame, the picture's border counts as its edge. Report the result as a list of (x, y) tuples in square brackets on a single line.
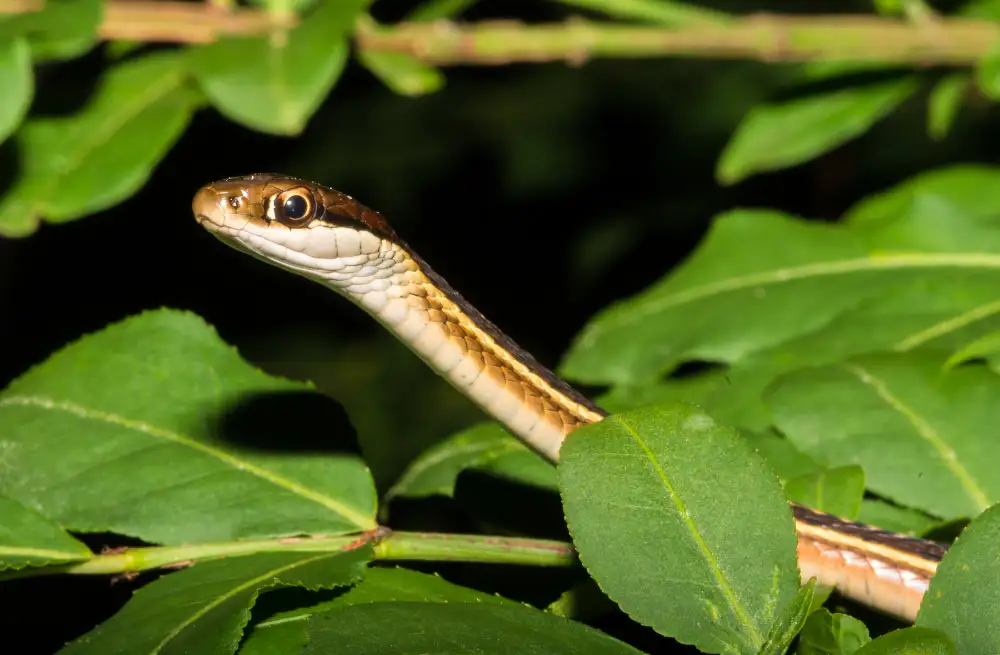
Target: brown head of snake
[(329, 237)]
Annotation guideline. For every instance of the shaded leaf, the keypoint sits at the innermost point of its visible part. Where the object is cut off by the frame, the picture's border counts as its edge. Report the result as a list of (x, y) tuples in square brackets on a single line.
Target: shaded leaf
[(438, 9), (925, 438), (778, 135), (673, 480), (276, 84), (75, 166), (18, 82), (665, 12), (379, 585), (827, 633), (988, 73), (944, 102), (63, 29), (147, 409), (790, 621), (409, 627), (436, 470), (910, 641), (836, 491), (694, 389), (980, 348), (895, 519), (963, 600), (402, 73), (204, 608), (29, 539), (784, 458)]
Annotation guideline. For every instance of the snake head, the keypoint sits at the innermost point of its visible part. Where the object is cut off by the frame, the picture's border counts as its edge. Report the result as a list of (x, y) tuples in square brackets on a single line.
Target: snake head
[(295, 224)]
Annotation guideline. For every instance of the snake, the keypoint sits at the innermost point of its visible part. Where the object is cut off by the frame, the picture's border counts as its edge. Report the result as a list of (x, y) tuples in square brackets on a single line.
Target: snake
[(326, 236)]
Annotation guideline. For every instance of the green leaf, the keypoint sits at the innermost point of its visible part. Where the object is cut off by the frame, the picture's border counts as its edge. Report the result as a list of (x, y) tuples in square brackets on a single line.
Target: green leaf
[(694, 389), (836, 491), (18, 82), (275, 85), (673, 481), (786, 278), (910, 641), (82, 164), (925, 439), (204, 608), (988, 73), (895, 519), (379, 585), (963, 600), (158, 408), (664, 12), (784, 458), (402, 73), (980, 348), (29, 539), (973, 190), (778, 135), (438, 9), (63, 29), (944, 102), (436, 470), (790, 621), (407, 627), (828, 633)]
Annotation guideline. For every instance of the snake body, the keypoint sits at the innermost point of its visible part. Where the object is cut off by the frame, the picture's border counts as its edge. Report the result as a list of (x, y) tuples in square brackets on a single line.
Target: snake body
[(329, 237)]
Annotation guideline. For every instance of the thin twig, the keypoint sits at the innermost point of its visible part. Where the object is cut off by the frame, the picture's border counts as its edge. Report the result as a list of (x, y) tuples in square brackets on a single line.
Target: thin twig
[(184, 22)]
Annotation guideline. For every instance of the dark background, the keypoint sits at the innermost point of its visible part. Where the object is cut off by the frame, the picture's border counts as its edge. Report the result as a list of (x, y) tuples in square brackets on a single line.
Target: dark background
[(541, 192)]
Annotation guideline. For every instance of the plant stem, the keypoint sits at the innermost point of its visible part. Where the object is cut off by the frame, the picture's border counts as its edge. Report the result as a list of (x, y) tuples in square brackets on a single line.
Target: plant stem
[(388, 546)]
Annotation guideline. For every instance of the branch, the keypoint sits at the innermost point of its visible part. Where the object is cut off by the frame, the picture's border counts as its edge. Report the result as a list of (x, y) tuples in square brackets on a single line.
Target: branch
[(760, 37), (173, 21)]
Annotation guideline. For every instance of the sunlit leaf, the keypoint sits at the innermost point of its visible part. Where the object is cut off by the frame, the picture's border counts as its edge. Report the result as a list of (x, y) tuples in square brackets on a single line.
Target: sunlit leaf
[(153, 427), (413, 628), (204, 608), (673, 480), (778, 135), (74, 166), (925, 438), (18, 82)]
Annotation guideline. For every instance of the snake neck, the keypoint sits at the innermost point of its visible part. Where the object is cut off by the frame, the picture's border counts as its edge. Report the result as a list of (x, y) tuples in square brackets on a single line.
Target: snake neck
[(423, 311)]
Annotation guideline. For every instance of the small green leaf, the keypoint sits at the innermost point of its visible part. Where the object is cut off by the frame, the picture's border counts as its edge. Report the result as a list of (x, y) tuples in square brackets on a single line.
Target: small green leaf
[(944, 102), (79, 165), (664, 12), (788, 624), (275, 84), (694, 389), (158, 408), (29, 539), (63, 29), (18, 82), (436, 470), (779, 135), (836, 491), (438, 9), (828, 633), (379, 585), (402, 73), (988, 73), (204, 608), (925, 439), (910, 641), (963, 600), (895, 519), (981, 348), (412, 628), (671, 479)]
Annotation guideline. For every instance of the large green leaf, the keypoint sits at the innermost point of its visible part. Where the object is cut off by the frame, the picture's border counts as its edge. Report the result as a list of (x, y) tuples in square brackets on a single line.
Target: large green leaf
[(418, 628), (29, 539), (275, 83), (380, 585), (910, 641), (204, 608), (895, 519), (785, 278), (75, 166), (925, 438), (652, 498), (778, 135), (153, 428), (18, 82), (963, 600)]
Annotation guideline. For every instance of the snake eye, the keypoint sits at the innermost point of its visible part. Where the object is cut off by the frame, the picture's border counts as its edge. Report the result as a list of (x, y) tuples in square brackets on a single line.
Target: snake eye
[(237, 202), (295, 207)]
